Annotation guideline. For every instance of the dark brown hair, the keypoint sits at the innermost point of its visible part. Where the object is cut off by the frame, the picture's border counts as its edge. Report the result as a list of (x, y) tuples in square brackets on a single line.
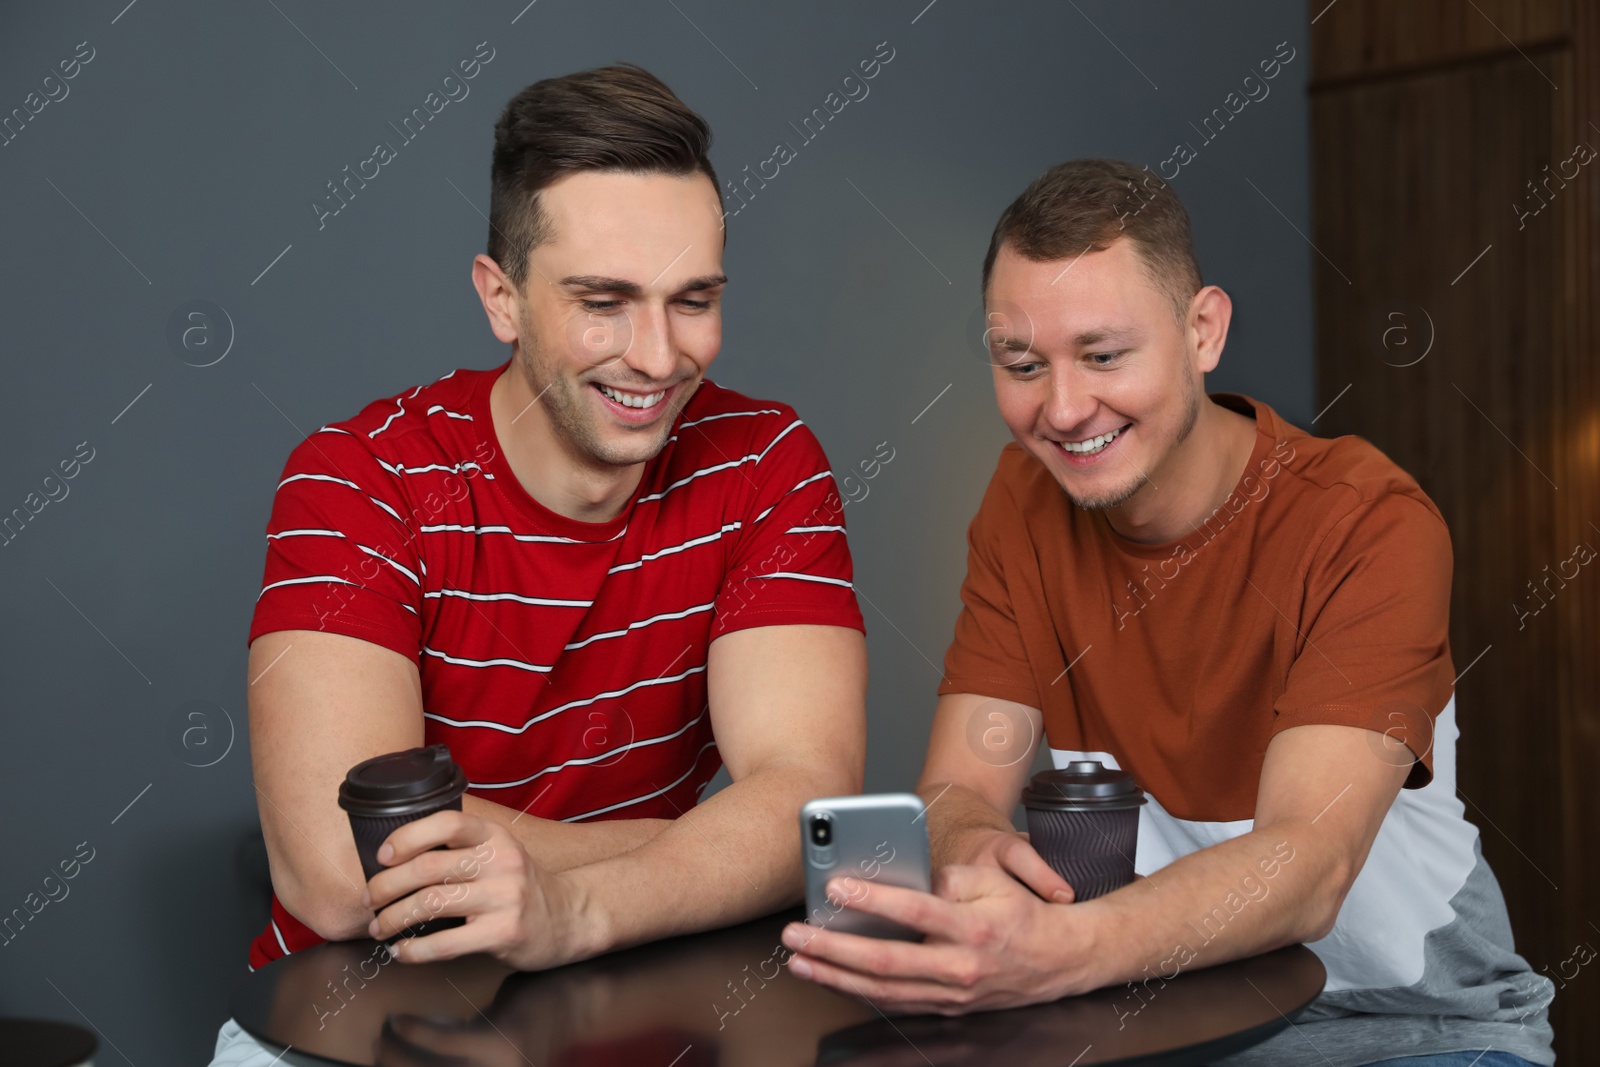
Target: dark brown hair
[(619, 118), (1086, 204)]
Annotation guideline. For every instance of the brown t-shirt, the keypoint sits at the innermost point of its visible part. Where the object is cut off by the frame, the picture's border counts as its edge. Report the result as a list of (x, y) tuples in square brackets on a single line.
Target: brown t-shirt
[(1319, 592)]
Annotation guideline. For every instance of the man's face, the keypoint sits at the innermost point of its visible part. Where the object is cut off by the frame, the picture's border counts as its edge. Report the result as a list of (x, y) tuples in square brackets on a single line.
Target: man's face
[(1093, 373), (621, 314)]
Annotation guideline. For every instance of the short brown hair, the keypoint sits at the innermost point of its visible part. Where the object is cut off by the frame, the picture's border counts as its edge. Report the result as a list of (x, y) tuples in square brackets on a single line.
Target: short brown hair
[(618, 118), (1086, 204)]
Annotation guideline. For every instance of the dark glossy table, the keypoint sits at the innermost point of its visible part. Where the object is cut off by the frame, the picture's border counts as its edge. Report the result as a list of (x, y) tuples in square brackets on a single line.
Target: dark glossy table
[(720, 998), (38, 1043)]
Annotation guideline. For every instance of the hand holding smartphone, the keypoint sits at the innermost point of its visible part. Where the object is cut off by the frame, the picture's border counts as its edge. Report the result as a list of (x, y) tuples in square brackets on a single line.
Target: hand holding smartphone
[(876, 839)]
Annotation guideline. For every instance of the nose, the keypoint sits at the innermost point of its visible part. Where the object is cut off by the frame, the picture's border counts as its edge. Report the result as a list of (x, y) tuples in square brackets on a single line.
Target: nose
[(1070, 401), (652, 352)]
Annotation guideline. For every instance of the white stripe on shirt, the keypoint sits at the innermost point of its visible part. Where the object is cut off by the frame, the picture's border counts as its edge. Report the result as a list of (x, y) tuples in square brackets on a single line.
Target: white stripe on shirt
[(399, 409), (601, 758), (303, 533), (802, 578), (778, 438), (438, 408), (518, 597), (729, 415), (648, 796), (318, 478), (403, 570), (674, 549), (503, 728), (756, 457), (722, 466), (387, 508), (465, 464), (526, 538), (341, 481), (798, 486), (702, 471), (725, 415), (306, 581), (815, 529), (461, 661), (685, 613)]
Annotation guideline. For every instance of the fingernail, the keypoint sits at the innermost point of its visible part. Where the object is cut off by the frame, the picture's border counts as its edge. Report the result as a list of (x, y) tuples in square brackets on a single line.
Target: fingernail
[(385, 853), (1061, 896), (372, 928), (366, 898), (800, 967)]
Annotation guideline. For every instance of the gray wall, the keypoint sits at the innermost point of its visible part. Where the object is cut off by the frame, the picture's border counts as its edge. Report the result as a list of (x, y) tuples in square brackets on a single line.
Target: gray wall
[(181, 163)]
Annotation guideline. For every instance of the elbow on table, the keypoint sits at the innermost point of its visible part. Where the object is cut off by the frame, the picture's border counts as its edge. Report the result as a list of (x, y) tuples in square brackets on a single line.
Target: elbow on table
[(333, 912)]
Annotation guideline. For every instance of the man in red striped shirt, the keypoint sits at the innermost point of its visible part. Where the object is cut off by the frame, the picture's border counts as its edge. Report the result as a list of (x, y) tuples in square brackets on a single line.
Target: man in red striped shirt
[(593, 574)]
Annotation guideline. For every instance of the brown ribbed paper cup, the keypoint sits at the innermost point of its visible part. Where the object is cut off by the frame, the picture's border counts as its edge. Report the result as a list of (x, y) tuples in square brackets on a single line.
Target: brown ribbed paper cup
[(386, 792), (1084, 820)]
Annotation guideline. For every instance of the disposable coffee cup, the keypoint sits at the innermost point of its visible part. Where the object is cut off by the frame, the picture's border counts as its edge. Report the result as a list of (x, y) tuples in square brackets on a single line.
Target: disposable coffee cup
[(1084, 820), (386, 792)]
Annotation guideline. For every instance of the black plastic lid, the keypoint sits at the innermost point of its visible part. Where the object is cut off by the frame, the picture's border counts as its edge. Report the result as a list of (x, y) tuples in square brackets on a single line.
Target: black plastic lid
[(1080, 786), (400, 783)]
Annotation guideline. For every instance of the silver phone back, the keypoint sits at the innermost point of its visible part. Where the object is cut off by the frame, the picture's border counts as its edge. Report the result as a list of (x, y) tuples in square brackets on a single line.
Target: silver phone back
[(877, 839)]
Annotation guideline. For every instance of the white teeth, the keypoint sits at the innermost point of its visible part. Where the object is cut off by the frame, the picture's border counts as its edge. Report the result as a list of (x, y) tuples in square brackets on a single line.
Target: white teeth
[(1092, 445), (631, 400)]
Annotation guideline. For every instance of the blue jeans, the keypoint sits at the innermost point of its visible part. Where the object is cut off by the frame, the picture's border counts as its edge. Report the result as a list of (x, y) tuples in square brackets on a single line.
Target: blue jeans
[(1456, 1059)]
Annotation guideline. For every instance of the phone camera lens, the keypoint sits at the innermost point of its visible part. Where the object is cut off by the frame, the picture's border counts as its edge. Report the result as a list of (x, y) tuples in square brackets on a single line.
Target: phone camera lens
[(821, 832)]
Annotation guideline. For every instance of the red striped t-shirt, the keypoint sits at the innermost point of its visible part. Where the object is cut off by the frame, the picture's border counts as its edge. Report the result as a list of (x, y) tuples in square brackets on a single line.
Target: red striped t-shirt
[(563, 662)]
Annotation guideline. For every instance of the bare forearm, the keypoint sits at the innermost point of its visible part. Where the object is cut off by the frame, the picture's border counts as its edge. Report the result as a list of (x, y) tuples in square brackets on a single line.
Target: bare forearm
[(953, 812), (321, 884), (316, 873), (560, 846), (735, 857), (1265, 889)]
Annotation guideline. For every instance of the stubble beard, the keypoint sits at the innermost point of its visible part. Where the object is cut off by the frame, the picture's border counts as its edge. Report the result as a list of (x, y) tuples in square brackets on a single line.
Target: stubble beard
[(573, 420), (1115, 498)]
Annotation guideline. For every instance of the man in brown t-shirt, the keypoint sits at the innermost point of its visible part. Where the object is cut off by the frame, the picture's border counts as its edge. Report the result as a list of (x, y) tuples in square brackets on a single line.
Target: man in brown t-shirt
[(1249, 620)]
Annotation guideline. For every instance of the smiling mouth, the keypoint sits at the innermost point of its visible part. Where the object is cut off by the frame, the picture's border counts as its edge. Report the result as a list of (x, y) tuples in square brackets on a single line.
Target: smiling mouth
[(636, 401), (1091, 445)]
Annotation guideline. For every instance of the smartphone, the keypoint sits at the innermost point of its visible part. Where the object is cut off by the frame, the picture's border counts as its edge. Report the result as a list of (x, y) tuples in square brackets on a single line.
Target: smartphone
[(877, 839)]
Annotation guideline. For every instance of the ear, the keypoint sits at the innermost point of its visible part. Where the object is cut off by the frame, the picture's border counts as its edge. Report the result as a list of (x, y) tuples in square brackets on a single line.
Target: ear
[(1210, 312), (501, 301)]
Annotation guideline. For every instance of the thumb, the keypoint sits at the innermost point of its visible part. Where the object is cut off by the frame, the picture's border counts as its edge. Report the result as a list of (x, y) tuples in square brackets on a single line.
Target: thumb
[(1029, 868)]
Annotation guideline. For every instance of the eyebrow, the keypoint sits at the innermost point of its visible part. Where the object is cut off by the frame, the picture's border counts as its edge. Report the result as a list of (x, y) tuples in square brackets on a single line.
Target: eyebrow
[(596, 283), (1013, 344), (1103, 333)]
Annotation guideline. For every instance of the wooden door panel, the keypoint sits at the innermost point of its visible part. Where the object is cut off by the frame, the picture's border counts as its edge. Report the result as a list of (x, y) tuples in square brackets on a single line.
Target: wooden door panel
[(1434, 242)]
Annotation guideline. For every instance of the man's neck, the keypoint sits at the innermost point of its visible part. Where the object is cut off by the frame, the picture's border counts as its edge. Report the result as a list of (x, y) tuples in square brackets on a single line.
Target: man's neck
[(1192, 482), (545, 465)]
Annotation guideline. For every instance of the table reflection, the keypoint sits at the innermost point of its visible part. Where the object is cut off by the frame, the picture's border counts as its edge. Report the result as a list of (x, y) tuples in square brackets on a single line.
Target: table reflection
[(722, 998), (714, 998)]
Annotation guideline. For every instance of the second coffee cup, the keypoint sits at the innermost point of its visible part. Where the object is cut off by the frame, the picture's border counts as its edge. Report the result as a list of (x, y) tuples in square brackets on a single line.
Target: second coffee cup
[(1084, 820), (384, 793)]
